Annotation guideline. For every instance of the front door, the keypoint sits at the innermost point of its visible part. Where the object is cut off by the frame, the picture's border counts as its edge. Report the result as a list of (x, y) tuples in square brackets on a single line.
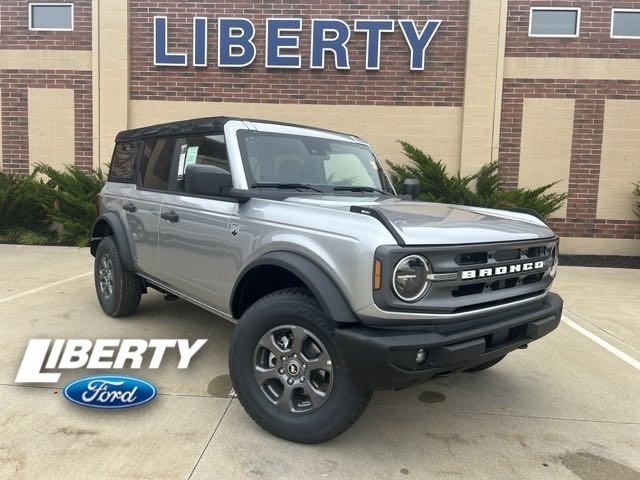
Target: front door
[(194, 230)]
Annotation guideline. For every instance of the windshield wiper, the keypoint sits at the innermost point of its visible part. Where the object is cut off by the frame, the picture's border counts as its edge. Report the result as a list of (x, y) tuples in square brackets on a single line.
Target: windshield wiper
[(286, 186), (355, 188)]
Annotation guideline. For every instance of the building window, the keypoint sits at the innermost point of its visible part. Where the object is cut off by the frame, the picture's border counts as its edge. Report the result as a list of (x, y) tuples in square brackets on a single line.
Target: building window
[(554, 22), (625, 23), (51, 16)]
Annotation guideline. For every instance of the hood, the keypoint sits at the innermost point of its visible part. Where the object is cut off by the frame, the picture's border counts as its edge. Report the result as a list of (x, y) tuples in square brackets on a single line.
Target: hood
[(426, 223)]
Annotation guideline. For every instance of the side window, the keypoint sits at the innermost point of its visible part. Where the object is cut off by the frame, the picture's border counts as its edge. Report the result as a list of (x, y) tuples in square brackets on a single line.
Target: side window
[(155, 167), (121, 168), (200, 150)]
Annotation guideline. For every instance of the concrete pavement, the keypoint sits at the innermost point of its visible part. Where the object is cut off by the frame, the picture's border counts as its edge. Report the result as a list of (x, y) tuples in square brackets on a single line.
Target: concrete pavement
[(564, 408)]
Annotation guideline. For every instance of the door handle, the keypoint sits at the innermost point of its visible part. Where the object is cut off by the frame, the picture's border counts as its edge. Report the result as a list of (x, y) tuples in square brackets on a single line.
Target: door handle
[(129, 207), (170, 216)]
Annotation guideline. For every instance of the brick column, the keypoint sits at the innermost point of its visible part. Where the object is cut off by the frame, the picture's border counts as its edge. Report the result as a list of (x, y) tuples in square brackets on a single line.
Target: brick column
[(482, 82), (510, 132), (586, 150), (15, 135), (113, 63)]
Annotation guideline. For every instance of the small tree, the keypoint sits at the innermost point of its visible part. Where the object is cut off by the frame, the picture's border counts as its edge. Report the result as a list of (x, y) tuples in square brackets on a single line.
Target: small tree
[(436, 185), (636, 192)]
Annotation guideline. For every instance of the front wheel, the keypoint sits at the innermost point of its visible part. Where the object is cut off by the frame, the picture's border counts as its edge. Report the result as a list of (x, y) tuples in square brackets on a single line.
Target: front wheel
[(288, 373)]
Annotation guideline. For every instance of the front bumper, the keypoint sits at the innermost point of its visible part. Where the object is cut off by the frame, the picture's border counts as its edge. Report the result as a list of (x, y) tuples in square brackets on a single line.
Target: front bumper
[(381, 358)]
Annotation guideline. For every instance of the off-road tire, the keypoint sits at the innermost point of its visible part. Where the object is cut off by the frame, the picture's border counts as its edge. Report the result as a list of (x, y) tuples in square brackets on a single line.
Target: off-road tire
[(126, 285), (345, 402), (485, 365)]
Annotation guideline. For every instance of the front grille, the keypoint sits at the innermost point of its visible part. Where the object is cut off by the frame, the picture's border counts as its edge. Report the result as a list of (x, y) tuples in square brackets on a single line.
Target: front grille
[(507, 283), (529, 279), (475, 258), (501, 257), (468, 289), (505, 255), (500, 275)]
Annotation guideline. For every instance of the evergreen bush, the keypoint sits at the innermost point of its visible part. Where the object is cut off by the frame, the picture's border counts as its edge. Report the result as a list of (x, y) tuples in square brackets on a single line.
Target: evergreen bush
[(481, 189)]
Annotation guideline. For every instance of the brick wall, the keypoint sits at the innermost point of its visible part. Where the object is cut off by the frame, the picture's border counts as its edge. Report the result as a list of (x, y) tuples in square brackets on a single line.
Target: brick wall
[(594, 40), (15, 33), (14, 86), (590, 96), (440, 84), (14, 83)]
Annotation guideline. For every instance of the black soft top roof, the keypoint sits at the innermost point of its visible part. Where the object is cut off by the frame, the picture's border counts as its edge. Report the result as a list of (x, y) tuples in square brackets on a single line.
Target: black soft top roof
[(196, 126), (182, 127)]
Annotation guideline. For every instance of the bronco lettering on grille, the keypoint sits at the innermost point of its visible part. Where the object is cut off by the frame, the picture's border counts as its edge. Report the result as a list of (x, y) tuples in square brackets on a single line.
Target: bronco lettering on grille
[(503, 270)]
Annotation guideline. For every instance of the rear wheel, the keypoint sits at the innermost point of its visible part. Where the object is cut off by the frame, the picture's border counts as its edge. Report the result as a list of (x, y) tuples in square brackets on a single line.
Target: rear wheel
[(485, 365), (287, 372), (118, 289)]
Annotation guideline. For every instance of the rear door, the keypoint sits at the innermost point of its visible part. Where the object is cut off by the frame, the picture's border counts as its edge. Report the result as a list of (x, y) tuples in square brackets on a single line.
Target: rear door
[(142, 208), (194, 230)]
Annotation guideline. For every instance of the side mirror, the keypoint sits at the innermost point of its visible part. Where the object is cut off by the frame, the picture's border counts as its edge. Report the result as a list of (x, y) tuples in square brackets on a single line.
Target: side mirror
[(411, 188), (207, 180)]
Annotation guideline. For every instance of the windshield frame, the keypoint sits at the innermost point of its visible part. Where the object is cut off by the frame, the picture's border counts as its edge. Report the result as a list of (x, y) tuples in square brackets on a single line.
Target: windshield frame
[(385, 182)]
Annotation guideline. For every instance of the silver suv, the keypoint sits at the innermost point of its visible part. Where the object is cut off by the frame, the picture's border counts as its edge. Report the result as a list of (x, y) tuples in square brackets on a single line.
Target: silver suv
[(337, 285)]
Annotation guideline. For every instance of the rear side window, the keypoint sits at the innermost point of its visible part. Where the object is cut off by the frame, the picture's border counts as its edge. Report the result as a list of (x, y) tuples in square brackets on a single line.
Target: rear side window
[(121, 168), (155, 166)]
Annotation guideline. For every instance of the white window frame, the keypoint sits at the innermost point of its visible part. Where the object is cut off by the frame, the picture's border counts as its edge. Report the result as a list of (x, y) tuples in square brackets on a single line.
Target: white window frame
[(555, 35), (31, 28), (622, 10)]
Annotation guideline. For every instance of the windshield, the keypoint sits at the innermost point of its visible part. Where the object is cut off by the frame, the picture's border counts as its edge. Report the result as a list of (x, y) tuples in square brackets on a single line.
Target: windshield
[(283, 160)]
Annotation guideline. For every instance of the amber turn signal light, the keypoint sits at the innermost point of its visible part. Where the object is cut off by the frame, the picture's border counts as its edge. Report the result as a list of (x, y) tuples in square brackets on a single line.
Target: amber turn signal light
[(377, 274)]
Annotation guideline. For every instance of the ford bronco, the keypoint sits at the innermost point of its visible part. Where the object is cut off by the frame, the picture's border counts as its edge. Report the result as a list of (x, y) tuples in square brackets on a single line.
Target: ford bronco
[(338, 286)]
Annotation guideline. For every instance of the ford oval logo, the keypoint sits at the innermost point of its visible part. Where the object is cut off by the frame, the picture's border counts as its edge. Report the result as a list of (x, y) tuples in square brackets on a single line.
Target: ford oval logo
[(110, 391)]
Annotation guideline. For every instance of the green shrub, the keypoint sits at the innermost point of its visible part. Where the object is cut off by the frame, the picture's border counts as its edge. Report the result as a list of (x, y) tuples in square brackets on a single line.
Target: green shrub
[(23, 204), (436, 185), (636, 192), (71, 198), (29, 237)]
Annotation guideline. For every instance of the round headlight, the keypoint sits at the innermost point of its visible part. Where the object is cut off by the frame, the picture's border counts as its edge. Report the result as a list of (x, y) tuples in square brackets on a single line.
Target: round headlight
[(554, 261), (410, 280)]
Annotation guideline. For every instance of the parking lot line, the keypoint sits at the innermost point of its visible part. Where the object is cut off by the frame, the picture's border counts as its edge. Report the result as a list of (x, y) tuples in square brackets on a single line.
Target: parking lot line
[(603, 343), (44, 287)]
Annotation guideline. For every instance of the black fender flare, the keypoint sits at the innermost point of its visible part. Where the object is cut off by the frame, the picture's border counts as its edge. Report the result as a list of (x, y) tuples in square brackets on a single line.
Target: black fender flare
[(119, 236), (315, 278)]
